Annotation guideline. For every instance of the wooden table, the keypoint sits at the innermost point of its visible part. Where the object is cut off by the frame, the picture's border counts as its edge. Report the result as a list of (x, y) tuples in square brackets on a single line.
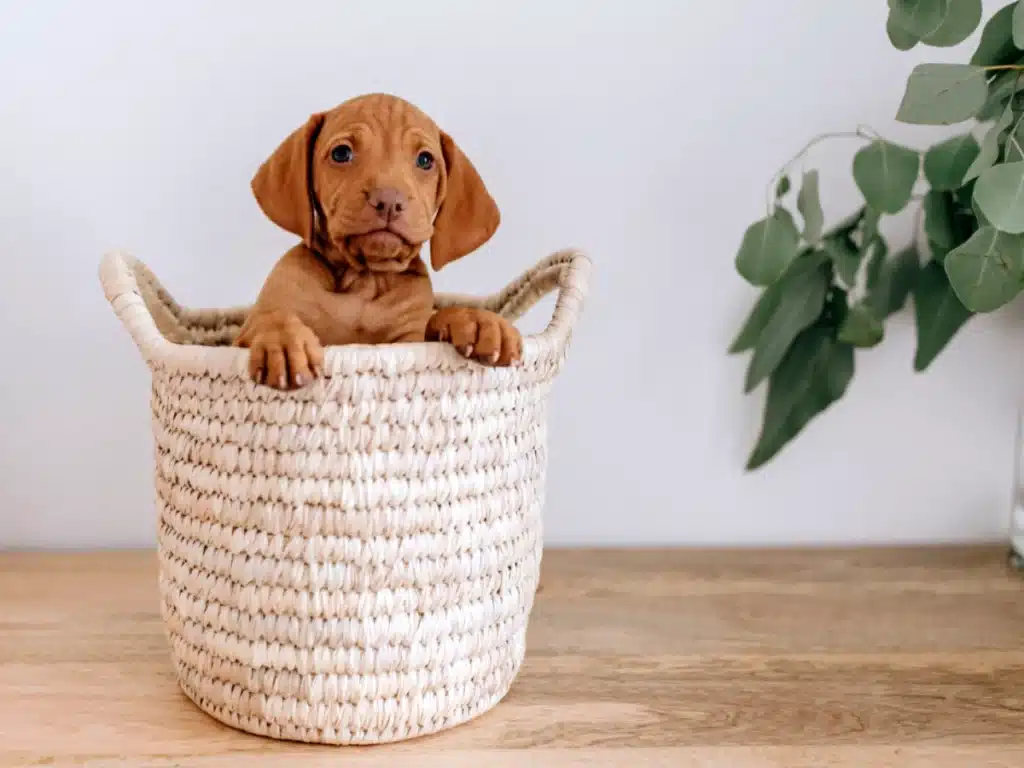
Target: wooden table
[(910, 659)]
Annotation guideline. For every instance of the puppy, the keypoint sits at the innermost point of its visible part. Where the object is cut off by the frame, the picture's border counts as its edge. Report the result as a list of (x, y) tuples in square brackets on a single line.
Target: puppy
[(364, 186)]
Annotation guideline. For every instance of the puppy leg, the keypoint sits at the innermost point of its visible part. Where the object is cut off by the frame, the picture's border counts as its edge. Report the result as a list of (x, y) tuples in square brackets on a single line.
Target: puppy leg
[(477, 334), (283, 352)]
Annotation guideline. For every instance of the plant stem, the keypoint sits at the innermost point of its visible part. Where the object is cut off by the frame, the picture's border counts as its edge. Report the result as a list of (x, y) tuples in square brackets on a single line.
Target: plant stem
[(918, 219), (998, 67), (1013, 128), (863, 132)]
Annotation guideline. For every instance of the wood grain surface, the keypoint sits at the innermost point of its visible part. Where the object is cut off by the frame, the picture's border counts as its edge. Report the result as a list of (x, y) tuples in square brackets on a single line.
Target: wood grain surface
[(908, 658)]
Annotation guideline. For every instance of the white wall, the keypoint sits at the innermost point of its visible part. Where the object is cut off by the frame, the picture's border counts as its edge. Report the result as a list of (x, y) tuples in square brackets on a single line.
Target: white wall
[(643, 131)]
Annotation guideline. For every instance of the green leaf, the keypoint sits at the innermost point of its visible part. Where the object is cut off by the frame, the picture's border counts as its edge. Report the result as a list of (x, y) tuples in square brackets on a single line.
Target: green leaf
[(938, 219), (987, 271), (841, 249), (946, 163), (899, 37), (861, 327), (901, 276), (1000, 196), (757, 319), (808, 202), (768, 303), (782, 188), (847, 254), (768, 247), (845, 257), (938, 312), (787, 220), (942, 94), (996, 45), (1018, 26), (815, 373), (920, 18), (989, 153), (799, 305), (885, 174), (895, 282), (961, 19)]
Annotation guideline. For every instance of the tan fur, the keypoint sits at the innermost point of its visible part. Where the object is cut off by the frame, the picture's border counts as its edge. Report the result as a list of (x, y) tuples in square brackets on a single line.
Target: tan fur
[(357, 276)]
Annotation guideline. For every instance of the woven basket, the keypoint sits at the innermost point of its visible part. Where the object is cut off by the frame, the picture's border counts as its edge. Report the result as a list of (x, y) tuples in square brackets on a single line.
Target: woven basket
[(354, 562)]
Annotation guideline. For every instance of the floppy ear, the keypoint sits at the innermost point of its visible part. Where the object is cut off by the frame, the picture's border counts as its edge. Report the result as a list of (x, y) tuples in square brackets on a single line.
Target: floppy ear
[(283, 185), (468, 216)]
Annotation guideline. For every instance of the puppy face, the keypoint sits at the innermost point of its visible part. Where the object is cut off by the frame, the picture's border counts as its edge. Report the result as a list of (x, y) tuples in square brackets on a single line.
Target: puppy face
[(377, 175), (369, 182)]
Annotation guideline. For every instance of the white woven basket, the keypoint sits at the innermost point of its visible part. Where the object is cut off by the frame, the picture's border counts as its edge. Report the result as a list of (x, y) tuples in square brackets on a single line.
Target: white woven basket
[(354, 562)]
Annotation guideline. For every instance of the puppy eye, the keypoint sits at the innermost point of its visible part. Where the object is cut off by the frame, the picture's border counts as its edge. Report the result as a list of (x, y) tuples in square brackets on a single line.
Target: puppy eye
[(425, 160), (341, 153)]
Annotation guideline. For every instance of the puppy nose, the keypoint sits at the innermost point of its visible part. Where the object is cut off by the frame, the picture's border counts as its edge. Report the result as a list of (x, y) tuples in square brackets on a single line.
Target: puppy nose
[(388, 202)]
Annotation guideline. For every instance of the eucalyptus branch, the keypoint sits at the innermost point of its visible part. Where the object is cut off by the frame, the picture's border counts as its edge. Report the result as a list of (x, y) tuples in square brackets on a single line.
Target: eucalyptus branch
[(797, 338), (863, 133)]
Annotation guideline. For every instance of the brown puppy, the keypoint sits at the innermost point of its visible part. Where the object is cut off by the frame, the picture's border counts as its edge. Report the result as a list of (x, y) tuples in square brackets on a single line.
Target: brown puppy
[(365, 185)]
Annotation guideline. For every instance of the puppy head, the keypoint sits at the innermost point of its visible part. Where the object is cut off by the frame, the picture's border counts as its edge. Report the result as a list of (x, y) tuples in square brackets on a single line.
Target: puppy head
[(369, 182)]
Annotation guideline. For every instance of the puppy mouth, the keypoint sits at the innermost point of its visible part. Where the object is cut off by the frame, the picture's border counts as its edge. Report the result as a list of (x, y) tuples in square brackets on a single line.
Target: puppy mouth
[(382, 248), (383, 239)]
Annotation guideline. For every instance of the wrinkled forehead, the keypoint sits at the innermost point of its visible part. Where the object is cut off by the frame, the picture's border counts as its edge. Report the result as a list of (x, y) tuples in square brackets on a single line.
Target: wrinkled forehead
[(387, 117)]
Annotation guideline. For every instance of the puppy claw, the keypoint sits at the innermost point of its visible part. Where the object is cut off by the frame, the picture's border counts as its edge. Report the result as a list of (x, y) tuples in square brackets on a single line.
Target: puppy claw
[(282, 349), (477, 334)]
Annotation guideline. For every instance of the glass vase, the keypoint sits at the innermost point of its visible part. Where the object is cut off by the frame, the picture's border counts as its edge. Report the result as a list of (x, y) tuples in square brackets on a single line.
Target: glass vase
[(1016, 531)]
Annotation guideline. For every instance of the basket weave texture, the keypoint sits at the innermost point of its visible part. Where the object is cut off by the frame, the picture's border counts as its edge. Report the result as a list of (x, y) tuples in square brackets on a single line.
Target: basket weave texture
[(354, 562)]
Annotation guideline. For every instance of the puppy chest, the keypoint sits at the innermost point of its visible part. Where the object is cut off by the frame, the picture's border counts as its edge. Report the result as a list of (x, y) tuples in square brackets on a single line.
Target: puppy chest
[(392, 309)]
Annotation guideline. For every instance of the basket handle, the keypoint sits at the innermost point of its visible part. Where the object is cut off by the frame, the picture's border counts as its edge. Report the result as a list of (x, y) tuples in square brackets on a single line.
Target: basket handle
[(568, 271), (119, 274)]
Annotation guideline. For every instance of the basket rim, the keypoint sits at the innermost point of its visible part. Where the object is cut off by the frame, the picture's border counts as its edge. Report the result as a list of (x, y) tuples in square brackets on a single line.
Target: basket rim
[(125, 280)]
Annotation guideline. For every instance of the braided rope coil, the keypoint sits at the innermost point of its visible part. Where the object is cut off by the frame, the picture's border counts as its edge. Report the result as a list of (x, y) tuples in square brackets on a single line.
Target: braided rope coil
[(354, 562)]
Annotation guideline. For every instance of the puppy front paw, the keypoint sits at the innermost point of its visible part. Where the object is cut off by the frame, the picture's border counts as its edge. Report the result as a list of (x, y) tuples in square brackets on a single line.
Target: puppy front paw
[(478, 334), (283, 352)]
